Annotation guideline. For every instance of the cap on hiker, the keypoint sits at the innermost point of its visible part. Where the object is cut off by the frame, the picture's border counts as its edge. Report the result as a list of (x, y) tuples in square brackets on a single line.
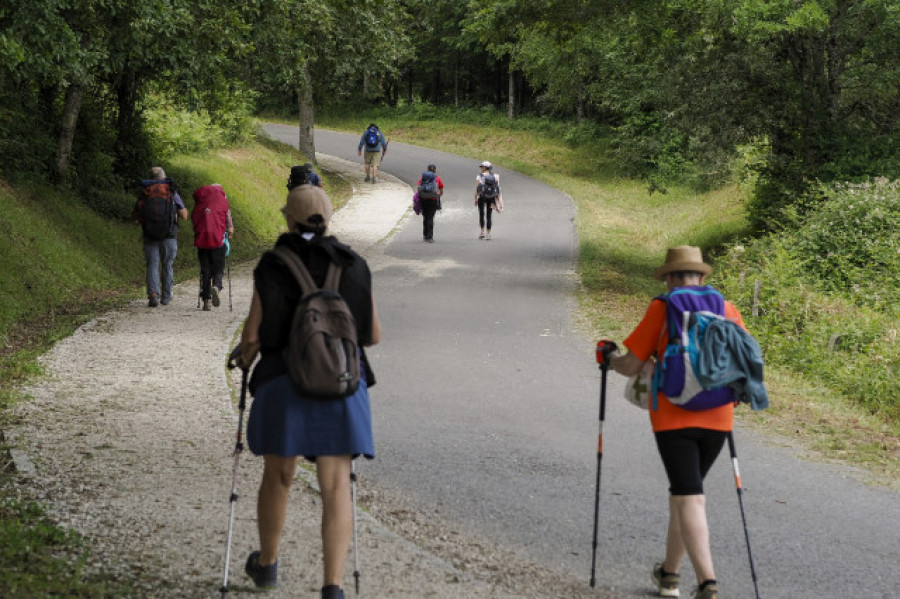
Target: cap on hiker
[(304, 203), (432, 168), (684, 258), (486, 164)]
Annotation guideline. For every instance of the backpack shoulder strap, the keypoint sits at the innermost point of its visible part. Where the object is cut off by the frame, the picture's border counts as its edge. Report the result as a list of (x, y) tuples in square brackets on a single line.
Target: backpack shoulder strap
[(333, 277), (297, 268)]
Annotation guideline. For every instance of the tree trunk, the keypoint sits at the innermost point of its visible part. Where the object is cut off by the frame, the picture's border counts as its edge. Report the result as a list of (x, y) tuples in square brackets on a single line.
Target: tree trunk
[(409, 86), (307, 142), (74, 97), (127, 154), (456, 81), (511, 104)]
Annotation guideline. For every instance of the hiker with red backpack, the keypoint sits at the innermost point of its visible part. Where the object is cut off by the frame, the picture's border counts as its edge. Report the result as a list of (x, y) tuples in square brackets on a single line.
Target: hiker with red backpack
[(158, 208), (689, 436), (211, 217), (310, 393), (429, 189)]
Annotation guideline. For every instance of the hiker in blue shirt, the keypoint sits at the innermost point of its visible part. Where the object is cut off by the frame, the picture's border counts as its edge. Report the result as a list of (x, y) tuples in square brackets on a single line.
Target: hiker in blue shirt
[(375, 143)]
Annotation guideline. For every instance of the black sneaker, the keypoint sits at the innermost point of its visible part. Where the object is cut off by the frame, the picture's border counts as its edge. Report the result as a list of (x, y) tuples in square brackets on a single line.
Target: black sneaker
[(265, 577), (332, 591), (153, 301)]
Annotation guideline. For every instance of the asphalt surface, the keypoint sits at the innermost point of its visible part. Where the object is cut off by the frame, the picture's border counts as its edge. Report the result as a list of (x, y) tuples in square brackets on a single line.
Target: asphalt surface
[(486, 415)]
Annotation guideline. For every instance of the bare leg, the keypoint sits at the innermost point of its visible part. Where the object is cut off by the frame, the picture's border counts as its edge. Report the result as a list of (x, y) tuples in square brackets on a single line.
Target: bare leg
[(337, 514), (271, 506), (689, 532)]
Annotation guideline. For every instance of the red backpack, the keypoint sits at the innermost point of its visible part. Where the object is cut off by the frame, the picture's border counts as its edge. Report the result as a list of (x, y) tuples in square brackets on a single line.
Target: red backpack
[(210, 216)]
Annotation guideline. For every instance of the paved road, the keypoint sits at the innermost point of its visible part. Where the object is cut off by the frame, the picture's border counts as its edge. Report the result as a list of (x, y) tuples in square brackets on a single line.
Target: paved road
[(486, 415)]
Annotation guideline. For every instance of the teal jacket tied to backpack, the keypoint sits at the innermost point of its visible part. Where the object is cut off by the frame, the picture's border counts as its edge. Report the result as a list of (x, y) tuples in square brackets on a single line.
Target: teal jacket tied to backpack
[(731, 356)]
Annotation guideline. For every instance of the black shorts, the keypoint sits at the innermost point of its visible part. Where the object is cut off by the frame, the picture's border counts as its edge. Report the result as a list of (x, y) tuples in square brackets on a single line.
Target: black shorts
[(687, 456)]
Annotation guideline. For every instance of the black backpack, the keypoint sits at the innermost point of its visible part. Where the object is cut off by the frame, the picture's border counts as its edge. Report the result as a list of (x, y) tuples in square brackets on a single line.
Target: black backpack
[(322, 354), (300, 175), (488, 189), (372, 138), (428, 188), (157, 211)]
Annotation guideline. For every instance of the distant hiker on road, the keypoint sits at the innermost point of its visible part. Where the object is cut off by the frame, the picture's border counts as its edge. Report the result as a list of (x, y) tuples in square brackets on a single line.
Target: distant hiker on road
[(302, 175), (488, 197), (284, 425), (375, 144), (688, 441), (211, 217), (158, 209), (430, 189)]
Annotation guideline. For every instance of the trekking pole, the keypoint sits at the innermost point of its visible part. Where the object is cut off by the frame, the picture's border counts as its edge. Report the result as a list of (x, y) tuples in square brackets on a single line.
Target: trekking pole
[(200, 290), (228, 262), (740, 494), (604, 348), (355, 540), (238, 448)]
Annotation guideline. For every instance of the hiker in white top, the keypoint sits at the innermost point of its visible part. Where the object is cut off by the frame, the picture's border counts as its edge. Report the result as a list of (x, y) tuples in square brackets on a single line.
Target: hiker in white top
[(488, 197)]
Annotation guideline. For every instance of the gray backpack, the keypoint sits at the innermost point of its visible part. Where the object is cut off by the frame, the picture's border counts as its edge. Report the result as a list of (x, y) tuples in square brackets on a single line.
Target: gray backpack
[(322, 354)]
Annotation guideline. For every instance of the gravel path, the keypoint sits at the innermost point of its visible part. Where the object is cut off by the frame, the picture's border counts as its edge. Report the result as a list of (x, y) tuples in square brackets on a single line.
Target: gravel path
[(129, 440)]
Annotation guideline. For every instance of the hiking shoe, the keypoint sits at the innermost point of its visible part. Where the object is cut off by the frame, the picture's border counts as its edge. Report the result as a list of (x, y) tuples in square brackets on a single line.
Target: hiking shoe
[(487, 236), (374, 179), (206, 306), (332, 591), (153, 301), (481, 235), (215, 296), (666, 583), (368, 178), (708, 590), (430, 240), (265, 577)]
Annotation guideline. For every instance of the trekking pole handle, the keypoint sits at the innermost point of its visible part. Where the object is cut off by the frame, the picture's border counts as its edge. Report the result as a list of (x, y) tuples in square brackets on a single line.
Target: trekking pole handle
[(604, 348)]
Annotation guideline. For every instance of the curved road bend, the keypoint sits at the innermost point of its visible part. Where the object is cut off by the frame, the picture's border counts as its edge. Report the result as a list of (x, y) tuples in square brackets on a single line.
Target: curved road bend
[(486, 415)]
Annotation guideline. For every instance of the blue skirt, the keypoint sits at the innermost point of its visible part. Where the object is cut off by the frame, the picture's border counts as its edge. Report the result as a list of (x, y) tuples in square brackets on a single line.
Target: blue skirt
[(286, 424)]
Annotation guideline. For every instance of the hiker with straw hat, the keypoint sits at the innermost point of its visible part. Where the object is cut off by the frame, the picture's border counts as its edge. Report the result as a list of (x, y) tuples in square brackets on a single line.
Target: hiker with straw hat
[(283, 425), (688, 441)]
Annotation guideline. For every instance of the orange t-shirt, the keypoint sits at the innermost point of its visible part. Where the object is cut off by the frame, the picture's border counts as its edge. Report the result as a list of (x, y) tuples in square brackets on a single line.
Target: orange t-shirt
[(649, 338)]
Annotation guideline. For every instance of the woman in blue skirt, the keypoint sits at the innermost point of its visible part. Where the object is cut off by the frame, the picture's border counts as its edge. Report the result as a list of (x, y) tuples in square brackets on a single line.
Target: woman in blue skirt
[(283, 426)]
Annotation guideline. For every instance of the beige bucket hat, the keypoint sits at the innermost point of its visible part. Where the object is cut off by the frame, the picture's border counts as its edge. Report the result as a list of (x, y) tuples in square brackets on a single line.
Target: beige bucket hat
[(306, 201)]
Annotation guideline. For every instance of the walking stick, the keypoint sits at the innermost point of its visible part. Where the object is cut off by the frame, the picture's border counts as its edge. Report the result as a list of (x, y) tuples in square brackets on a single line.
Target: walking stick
[(355, 540), (228, 262), (604, 348), (740, 494), (238, 448)]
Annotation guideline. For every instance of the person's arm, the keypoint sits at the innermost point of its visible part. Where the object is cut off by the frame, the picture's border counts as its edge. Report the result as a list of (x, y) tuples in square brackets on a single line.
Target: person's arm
[(250, 334), (362, 142), (229, 225), (182, 210), (376, 325), (440, 186), (626, 364)]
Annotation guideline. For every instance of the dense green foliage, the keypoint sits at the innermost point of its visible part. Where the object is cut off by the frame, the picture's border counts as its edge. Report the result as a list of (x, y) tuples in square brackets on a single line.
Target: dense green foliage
[(822, 298), (814, 85)]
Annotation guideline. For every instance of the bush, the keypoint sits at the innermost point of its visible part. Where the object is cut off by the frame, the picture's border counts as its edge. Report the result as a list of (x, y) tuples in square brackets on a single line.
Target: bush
[(820, 299), (850, 243)]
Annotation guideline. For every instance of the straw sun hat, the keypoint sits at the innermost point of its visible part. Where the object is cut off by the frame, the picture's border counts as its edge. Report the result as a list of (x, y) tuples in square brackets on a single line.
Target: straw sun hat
[(684, 258)]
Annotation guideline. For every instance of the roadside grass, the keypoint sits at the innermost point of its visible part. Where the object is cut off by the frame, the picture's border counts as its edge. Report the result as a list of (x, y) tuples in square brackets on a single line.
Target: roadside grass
[(39, 559), (63, 264)]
